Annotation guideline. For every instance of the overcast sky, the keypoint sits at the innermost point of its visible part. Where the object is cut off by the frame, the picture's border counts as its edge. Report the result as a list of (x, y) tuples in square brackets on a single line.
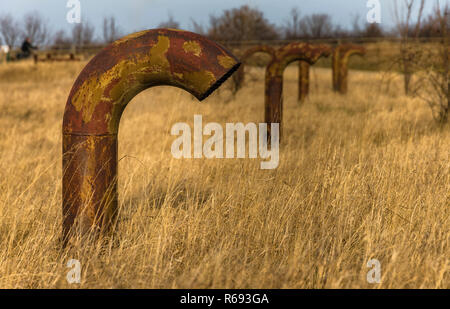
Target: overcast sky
[(135, 15)]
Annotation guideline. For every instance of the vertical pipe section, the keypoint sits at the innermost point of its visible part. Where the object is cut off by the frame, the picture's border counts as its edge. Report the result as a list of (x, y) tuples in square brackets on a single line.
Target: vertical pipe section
[(303, 80), (273, 105), (341, 55), (100, 95)]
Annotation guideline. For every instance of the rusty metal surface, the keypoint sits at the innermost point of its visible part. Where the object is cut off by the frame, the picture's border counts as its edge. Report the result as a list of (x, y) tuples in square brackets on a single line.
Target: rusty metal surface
[(340, 57), (98, 98), (274, 75), (303, 80), (89, 181), (240, 76)]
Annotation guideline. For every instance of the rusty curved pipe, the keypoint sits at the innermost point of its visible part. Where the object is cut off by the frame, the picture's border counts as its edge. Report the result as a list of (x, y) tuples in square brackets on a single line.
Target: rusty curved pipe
[(100, 95), (340, 57), (274, 76), (240, 76)]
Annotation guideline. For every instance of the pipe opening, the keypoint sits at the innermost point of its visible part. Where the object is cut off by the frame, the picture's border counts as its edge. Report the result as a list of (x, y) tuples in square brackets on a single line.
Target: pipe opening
[(219, 82)]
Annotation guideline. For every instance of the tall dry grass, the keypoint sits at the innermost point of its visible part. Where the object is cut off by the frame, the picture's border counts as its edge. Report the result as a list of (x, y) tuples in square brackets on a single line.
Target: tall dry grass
[(361, 176)]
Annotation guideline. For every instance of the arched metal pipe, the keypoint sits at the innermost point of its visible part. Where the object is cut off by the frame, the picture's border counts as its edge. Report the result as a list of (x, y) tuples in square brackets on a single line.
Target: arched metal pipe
[(274, 76), (99, 96), (240, 76), (340, 57), (303, 80)]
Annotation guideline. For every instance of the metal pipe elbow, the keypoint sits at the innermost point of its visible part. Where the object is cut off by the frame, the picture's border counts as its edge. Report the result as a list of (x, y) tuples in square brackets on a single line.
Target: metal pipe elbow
[(139, 61)]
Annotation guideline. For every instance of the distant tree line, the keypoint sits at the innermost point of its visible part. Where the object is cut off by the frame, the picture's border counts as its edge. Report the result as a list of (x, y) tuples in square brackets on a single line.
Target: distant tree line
[(238, 24), (246, 23), (36, 27)]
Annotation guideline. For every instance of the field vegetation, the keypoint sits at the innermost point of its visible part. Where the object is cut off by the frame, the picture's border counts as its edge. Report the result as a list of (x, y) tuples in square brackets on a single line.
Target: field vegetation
[(362, 176)]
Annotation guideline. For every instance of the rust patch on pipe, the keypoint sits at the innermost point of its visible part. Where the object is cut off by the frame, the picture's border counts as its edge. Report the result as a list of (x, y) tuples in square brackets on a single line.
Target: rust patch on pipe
[(341, 55), (99, 96)]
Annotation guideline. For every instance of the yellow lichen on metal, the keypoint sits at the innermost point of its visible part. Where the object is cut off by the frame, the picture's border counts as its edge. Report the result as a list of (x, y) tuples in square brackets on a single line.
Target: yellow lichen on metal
[(201, 80), (226, 61), (87, 97), (129, 37), (138, 70), (136, 74), (192, 47), (158, 59)]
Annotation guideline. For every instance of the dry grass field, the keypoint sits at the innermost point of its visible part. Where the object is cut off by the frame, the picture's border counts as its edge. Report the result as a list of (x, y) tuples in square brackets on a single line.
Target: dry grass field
[(361, 176)]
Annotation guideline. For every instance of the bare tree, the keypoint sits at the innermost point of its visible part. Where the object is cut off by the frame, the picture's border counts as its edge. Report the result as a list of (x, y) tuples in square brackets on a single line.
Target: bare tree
[(242, 24), (60, 40), (339, 32), (356, 28), (404, 23), (83, 34), (431, 27), (170, 23), (10, 30), (317, 26), (373, 30), (292, 25), (36, 28), (434, 78), (110, 30), (197, 28)]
